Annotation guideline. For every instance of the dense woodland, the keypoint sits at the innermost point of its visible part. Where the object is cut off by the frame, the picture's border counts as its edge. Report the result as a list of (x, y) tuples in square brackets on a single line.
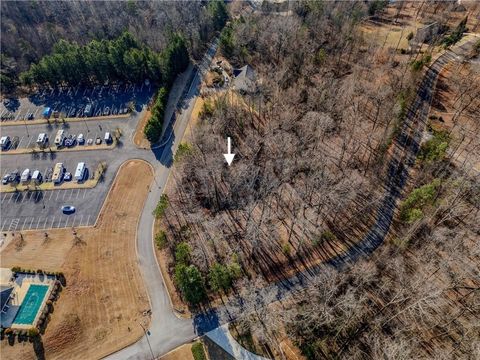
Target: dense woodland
[(319, 147), (31, 30)]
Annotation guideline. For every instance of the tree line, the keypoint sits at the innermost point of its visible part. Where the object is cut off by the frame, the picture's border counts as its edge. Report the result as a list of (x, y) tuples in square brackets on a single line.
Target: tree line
[(120, 59)]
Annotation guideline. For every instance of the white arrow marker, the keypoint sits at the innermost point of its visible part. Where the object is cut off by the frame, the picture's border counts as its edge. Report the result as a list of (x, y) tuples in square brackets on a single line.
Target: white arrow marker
[(229, 156)]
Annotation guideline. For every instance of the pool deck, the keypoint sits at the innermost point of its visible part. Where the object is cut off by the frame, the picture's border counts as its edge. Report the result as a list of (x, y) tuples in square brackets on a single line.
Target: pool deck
[(22, 284)]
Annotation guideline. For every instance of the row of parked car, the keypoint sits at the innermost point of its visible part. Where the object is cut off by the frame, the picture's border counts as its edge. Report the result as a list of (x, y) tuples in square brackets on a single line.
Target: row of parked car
[(62, 139), (60, 174)]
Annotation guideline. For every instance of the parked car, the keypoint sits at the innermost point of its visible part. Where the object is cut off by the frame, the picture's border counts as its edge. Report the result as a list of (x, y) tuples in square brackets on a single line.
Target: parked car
[(70, 141), (89, 141), (67, 176), (37, 177), (6, 179), (30, 116), (80, 139), (4, 142), (106, 111), (68, 209), (14, 176), (108, 138), (98, 141)]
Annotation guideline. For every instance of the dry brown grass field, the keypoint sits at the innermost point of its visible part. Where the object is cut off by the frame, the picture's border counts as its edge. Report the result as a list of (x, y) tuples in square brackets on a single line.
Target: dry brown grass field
[(100, 309)]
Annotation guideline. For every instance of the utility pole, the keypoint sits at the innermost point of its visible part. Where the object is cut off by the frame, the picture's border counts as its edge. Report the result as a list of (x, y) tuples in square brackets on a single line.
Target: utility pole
[(148, 341)]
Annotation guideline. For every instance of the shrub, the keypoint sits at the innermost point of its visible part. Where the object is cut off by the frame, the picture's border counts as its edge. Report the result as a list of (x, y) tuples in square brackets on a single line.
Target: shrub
[(183, 150), (235, 270), (207, 109), (198, 352), (286, 249), (435, 148), (220, 277), (161, 239), (417, 65), (410, 36), (182, 253), (456, 35), (161, 206), (16, 269), (32, 332), (412, 207)]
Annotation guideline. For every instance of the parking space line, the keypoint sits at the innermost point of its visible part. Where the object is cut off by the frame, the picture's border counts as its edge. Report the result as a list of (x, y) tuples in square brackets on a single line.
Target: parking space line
[(84, 193), (29, 141), (45, 223), (10, 199), (51, 194), (38, 222), (31, 222), (64, 193), (5, 196), (19, 142), (24, 221), (88, 220), (53, 220), (81, 220), (4, 223), (66, 221), (78, 192), (58, 193), (35, 113), (16, 223)]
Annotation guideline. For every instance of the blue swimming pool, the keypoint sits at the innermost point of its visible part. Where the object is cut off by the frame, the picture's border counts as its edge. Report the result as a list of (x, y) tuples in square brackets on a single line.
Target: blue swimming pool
[(31, 304)]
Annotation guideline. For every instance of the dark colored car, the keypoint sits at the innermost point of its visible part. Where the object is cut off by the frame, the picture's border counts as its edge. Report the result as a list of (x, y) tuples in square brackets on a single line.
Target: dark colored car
[(68, 209)]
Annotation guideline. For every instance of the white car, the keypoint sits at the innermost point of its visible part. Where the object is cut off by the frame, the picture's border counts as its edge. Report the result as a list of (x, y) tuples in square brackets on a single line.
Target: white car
[(80, 139)]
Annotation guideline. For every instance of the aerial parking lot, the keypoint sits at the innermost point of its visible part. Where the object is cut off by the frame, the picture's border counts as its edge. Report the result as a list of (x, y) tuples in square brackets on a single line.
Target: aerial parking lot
[(77, 102), (34, 205), (84, 134)]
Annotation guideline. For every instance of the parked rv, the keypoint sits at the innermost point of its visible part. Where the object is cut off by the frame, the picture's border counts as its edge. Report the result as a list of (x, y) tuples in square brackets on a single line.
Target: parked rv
[(59, 138), (25, 176), (58, 171), (80, 171), (42, 139)]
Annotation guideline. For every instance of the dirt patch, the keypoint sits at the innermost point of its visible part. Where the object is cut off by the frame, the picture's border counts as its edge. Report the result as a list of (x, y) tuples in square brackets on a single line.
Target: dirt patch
[(139, 139), (100, 309), (183, 352)]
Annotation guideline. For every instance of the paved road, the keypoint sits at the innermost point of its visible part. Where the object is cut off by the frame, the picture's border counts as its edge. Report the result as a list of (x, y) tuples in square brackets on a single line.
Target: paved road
[(166, 331)]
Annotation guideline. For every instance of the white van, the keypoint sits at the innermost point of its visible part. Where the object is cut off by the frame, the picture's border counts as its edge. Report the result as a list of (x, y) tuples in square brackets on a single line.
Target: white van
[(25, 176), (59, 137), (37, 177), (80, 171)]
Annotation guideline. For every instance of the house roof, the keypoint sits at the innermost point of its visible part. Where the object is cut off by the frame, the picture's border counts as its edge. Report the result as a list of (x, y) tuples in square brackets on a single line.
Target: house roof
[(244, 78)]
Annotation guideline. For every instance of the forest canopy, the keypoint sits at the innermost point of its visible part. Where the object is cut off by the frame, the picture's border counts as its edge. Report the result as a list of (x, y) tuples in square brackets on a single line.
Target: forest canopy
[(121, 59)]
